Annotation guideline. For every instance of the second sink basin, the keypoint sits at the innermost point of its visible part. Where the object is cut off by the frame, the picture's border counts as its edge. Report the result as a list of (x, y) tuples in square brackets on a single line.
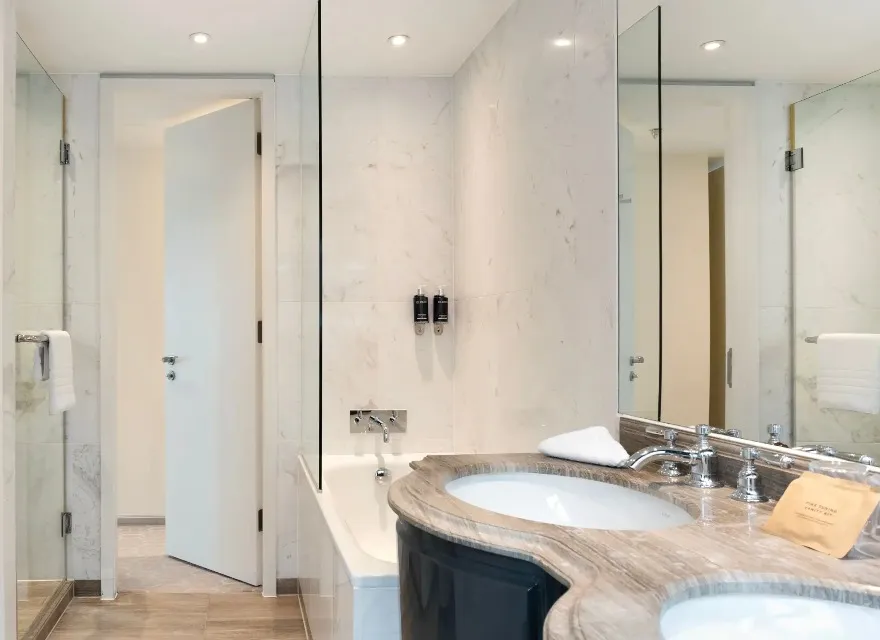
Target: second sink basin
[(768, 617), (570, 502)]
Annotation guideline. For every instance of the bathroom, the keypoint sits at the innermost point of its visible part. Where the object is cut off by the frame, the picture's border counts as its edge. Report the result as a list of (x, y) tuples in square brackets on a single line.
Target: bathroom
[(479, 226)]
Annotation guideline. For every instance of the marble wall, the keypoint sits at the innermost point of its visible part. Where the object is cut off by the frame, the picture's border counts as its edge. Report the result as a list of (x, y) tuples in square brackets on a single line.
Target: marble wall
[(388, 228), (836, 263), (536, 228), (38, 288)]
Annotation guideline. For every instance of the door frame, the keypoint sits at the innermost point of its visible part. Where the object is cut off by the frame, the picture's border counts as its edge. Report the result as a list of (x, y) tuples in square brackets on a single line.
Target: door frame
[(259, 87)]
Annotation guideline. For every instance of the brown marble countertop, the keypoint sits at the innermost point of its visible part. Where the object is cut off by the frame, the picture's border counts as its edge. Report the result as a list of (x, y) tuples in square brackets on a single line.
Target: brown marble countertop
[(621, 581)]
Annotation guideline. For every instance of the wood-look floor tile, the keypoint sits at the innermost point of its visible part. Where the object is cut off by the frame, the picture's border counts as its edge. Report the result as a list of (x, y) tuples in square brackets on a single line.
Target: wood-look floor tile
[(290, 629), (226, 607), (136, 615)]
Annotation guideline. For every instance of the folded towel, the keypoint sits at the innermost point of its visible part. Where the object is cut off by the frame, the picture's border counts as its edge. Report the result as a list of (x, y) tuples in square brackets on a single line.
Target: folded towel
[(593, 445), (849, 372), (61, 393)]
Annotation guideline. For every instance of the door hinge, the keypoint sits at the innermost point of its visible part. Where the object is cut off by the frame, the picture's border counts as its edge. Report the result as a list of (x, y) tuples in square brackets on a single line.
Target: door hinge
[(66, 523), (64, 153), (259, 332), (260, 520), (794, 159), (259, 143)]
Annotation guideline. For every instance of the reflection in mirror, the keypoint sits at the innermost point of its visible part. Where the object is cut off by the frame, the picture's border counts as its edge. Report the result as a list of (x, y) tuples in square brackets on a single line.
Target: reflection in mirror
[(754, 258), (639, 217), (37, 287)]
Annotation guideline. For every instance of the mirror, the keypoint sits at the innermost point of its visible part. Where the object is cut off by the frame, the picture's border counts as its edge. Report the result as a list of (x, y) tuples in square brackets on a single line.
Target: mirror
[(748, 260)]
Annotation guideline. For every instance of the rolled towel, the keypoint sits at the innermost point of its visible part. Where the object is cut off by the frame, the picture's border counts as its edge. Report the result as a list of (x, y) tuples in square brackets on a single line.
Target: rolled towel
[(593, 445)]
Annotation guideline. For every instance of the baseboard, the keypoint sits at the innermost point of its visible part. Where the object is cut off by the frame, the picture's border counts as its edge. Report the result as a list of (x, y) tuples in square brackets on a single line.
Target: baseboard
[(87, 588), (51, 613), (131, 521), (287, 586)]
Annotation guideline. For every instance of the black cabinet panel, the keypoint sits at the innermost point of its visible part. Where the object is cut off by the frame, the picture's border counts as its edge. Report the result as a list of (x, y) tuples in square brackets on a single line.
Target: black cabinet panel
[(452, 592)]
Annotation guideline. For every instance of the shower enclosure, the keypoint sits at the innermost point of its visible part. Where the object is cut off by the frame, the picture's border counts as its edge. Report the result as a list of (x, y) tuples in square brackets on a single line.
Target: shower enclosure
[(38, 293)]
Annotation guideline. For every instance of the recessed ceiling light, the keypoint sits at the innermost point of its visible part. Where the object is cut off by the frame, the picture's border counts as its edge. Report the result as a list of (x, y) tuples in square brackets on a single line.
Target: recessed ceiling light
[(713, 45), (398, 41), (563, 42), (200, 37)]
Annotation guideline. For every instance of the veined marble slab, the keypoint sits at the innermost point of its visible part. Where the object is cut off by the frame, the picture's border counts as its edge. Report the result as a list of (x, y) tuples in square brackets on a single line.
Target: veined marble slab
[(620, 582)]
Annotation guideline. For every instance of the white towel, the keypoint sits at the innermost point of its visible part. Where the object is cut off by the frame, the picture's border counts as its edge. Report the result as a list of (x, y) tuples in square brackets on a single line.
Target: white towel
[(593, 445), (849, 372), (61, 392)]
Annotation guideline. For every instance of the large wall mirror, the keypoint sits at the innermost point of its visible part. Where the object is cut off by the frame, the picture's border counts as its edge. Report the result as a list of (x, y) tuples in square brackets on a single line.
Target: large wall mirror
[(750, 219)]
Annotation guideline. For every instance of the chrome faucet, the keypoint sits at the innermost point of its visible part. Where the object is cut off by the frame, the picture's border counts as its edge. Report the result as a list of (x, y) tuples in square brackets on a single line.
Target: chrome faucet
[(701, 458), (386, 436)]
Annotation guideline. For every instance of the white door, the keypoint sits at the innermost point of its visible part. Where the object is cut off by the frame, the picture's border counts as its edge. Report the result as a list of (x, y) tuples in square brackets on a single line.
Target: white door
[(211, 298)]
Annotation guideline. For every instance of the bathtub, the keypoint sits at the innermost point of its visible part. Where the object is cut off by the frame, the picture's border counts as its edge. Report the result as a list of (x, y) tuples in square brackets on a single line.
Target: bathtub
[(347, 549)]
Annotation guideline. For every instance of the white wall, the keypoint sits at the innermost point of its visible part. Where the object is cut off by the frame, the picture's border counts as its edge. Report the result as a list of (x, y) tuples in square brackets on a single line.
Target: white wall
[(140, 320), (388, 228), (536, 228), (686, 308)]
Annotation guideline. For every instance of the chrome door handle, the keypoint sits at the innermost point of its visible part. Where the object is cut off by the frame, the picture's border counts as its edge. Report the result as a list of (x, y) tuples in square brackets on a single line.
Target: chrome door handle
[(172, 360), (171, 375), (636, 360)]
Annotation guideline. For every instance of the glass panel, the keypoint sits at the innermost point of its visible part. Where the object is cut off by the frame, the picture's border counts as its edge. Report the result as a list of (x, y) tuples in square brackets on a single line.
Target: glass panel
[(836, 257), (639, 140), (38, 289), (310, 153)]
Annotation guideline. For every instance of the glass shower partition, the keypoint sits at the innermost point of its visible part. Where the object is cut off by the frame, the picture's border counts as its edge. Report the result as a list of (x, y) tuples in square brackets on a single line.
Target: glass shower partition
[(310, 159), (836, 261), (38, 290), (639, 215)]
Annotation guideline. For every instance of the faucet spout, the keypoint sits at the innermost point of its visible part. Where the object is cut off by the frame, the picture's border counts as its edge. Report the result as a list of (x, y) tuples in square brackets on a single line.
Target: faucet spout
[(386, 435), (660, 453)]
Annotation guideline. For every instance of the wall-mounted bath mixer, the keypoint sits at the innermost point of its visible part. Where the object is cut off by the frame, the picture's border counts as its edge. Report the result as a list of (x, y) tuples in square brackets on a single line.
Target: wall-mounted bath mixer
[(375, 421)]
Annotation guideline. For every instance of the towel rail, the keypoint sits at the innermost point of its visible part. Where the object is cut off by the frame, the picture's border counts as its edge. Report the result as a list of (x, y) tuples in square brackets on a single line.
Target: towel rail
[(31, 338)]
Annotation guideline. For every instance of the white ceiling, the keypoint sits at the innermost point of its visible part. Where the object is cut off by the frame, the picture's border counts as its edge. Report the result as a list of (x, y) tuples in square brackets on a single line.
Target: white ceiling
[(261, 36), (823, 41)]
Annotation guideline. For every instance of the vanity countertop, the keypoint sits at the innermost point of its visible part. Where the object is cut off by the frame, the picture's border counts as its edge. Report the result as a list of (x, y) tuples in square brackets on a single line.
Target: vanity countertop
[(620, 581)]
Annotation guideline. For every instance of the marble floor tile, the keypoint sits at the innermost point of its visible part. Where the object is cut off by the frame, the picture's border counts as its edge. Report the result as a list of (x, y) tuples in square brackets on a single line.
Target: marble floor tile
[(143, 567)]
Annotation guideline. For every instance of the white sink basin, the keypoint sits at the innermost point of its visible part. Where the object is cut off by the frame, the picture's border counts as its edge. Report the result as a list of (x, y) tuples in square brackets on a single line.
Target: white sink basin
[(764, 617), (571, 502)]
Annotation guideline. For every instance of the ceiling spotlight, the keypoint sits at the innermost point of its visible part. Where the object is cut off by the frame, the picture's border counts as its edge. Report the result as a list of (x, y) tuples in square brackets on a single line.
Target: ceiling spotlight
[(713, 45), (398, 41), (563, 42), (200, 37)]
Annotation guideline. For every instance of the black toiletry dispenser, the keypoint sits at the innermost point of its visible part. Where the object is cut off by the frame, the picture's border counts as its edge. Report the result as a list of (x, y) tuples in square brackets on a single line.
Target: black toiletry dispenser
[(441, 312), (420, 312)]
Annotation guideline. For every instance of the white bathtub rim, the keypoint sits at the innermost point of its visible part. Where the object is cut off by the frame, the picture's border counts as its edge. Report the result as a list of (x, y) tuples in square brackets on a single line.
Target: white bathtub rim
[(363, 570)]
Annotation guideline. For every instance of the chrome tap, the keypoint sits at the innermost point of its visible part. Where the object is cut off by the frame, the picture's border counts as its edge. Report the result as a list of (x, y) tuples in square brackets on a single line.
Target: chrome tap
[(386, 436), (701, 458), (748, 483)]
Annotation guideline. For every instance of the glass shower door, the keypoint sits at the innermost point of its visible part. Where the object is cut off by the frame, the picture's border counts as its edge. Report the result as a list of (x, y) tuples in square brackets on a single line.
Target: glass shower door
[(38, 291), (836, 262)]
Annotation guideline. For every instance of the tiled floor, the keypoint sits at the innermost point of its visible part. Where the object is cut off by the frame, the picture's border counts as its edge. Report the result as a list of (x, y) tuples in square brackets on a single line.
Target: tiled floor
[(32, 595), (143, 567), (184, 616), (165, 599)]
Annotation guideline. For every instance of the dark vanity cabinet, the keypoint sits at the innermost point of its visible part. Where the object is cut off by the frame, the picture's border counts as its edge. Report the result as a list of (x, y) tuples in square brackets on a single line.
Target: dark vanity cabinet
[(452, 592)]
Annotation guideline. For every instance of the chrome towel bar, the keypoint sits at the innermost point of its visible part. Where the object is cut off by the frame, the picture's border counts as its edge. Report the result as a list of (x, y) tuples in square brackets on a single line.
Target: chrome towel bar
[(32, 338)]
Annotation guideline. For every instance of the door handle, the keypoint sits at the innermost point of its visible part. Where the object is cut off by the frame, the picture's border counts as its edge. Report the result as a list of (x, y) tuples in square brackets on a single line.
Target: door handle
[(171, 375), (730, 368), (636, 360), (172, 360)]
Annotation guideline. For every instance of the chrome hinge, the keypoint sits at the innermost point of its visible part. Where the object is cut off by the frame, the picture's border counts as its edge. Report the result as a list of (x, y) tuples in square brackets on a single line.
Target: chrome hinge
[(794, 159), (64, 153), (260, 520), (66, 523)]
